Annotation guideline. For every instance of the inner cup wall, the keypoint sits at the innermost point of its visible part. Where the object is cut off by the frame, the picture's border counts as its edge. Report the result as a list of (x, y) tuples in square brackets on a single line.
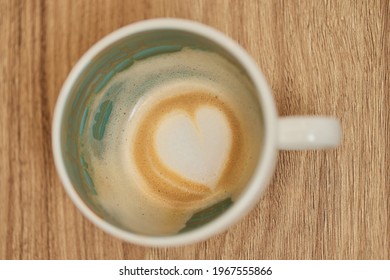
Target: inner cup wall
[(115, 58)]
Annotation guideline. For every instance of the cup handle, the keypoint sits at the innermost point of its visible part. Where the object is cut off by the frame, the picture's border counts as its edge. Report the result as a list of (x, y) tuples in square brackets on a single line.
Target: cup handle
[(308, 132)]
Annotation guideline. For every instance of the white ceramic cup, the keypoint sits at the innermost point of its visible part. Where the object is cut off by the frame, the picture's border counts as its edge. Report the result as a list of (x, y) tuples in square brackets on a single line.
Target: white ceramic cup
[(291, 133)]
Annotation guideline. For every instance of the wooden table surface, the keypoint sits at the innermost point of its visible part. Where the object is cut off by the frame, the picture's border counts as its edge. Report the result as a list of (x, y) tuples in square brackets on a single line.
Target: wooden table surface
[(320, 57)]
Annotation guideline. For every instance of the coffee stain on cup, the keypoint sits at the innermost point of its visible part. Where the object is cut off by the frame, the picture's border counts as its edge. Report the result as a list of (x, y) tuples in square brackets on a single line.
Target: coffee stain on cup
[(101, 119)]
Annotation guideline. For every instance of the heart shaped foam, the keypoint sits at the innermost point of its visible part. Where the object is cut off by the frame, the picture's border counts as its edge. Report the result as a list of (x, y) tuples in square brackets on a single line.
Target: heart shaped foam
[(196, 146)]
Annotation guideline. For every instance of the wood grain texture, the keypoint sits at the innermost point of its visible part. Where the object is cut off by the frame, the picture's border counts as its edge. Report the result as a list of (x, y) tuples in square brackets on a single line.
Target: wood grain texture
[(320, 57)]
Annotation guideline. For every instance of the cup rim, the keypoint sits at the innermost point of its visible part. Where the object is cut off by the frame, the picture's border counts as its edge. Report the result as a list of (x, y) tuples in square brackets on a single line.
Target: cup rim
[(264, 168)]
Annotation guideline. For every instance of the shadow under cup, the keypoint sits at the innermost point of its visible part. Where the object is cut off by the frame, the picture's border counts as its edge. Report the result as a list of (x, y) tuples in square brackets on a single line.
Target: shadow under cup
[(93, 82)]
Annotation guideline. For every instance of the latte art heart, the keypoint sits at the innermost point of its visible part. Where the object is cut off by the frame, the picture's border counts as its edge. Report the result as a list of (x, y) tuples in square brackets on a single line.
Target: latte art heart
[(195, 146), (186, 146)]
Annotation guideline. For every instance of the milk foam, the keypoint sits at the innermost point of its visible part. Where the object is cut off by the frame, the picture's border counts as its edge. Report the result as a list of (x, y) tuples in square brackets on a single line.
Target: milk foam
[(197, 147), (184, 133)]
